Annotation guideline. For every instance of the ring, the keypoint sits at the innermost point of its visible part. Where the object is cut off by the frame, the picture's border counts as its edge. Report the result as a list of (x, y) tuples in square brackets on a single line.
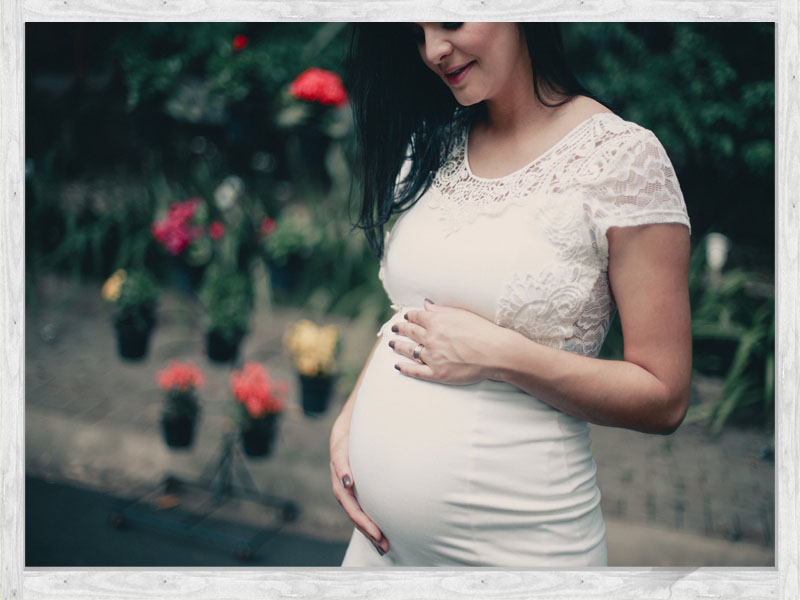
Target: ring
[(417, 349)]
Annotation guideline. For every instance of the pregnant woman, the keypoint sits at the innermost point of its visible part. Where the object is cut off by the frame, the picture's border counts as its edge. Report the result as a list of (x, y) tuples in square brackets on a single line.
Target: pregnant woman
[(523, 214)]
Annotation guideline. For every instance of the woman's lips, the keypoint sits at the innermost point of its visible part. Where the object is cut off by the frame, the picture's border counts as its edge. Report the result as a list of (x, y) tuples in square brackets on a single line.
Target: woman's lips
[(459, 75)]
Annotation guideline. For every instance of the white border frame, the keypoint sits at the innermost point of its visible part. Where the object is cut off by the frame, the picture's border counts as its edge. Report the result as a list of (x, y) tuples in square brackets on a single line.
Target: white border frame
[(16, 581)]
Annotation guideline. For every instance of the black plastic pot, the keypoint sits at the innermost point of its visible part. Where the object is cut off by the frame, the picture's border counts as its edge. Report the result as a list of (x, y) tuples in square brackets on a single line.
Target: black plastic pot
[(178, 430), (133, 339), (259, 437), (221, 348), (315, 393), (285, 278)]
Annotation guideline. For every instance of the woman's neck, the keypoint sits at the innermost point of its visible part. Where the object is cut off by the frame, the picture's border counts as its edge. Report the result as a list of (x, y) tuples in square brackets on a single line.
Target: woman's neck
[(514, 114)]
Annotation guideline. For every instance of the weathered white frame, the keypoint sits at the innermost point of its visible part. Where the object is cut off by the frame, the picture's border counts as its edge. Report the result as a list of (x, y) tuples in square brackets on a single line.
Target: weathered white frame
[(16, 581)]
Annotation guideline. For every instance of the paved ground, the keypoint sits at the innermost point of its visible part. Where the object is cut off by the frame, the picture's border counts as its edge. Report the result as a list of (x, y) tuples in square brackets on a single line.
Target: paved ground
[(67, 525), (92, 436)]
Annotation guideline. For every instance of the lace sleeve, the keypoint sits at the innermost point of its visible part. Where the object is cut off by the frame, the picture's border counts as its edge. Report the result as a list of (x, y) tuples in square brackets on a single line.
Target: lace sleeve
[(635, 184)]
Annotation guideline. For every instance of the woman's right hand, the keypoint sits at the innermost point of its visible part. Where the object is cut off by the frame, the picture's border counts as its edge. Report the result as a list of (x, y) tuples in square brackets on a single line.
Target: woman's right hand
[(343, 484)]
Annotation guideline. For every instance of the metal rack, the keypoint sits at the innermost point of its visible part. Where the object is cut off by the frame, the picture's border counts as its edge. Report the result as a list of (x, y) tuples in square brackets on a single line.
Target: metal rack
[(186, 508)]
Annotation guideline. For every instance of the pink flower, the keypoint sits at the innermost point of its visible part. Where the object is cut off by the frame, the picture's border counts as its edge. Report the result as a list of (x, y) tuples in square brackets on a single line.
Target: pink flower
[(251, 385), (180, 376), (239, 42), (175, 231), (267, 226), (318, 85), (216, 230)]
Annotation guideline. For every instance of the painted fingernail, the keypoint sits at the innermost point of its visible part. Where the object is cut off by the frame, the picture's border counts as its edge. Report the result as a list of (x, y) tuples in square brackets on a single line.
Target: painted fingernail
[(380, 550), (429, 300), (397, 367), (346, 481), (405, 316), (395, 328), (391, 344)]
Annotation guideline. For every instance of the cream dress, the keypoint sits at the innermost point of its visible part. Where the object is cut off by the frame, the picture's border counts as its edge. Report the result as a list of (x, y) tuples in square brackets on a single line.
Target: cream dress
[(485, 474)]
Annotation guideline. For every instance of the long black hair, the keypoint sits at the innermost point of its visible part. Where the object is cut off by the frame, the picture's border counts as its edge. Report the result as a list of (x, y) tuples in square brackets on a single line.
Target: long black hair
[(399, 102)]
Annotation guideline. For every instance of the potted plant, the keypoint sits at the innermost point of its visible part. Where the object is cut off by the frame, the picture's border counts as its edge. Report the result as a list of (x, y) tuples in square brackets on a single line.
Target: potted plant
[(132, 296), (180, 381), (228, 299), (315, 110), (313, 350), (260, 401), (182, 233), (287, 244)]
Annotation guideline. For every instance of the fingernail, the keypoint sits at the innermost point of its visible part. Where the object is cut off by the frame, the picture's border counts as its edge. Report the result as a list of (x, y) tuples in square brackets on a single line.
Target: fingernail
[(429, 300), (405, 316), (391, 344), (397, 367), (395, 328), (380, 550), (346, 481)]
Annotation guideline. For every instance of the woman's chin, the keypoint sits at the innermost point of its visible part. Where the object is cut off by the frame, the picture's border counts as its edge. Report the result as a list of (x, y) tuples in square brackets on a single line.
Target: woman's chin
[(465, 99)]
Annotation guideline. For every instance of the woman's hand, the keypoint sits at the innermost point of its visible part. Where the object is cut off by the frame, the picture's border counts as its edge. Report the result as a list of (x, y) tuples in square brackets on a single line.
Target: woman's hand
[(457, 346), (342, 482)]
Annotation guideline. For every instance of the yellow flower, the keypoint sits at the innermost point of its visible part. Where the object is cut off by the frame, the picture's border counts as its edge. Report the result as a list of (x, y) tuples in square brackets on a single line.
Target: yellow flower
[(307, 365), (313, 348), (113, 285)]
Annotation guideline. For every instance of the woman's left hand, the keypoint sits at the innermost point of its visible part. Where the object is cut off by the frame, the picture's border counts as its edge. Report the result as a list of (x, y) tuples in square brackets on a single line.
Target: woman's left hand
[(456, 345)]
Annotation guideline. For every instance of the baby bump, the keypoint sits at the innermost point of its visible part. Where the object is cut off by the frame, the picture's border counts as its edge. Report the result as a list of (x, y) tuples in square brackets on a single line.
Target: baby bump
[(409, 452), (448, 470)]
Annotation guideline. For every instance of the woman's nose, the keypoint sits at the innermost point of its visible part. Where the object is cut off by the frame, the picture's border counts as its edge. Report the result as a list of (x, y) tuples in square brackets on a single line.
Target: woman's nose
[(436, 48)]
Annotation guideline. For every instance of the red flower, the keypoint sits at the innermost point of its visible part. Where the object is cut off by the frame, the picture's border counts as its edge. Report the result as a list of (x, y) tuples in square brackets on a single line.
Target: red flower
[(174, 231), (216, 230), (251, 385), (183, 377), (318, 85), (267, 226), (239, 42)]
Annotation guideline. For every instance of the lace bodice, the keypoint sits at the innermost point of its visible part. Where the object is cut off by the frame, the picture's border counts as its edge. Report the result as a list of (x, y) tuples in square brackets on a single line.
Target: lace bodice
[(529, 250)]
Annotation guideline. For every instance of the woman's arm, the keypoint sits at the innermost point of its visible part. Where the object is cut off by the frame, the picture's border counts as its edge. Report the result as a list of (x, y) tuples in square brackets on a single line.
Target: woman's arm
[(342, 481), (647, 391)]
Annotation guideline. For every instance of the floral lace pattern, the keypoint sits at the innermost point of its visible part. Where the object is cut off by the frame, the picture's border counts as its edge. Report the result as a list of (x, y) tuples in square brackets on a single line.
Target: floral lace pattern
[(606, 172), (463, 196)]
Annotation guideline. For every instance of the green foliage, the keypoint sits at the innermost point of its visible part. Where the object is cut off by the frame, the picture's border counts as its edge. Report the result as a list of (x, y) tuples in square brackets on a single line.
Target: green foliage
[(707, 91), (196, 71), (733, 331), (137, 300), (228, 299), (295, 232)]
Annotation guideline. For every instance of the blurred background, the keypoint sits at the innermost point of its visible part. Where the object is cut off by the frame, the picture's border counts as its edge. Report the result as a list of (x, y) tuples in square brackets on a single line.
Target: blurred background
[(198, 305)]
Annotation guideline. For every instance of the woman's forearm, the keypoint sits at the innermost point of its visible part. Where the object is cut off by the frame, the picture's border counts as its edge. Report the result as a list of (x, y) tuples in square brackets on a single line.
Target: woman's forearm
[(616, 393)]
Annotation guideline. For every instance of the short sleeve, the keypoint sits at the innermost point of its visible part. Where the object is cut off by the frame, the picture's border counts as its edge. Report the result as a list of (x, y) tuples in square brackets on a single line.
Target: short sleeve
[(634, 184)]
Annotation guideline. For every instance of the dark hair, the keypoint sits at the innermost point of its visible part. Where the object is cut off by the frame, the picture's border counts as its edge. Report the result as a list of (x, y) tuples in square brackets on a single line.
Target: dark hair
[(398, 101)]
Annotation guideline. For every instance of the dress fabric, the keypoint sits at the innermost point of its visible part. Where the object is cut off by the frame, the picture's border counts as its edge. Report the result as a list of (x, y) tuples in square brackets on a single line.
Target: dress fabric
[(486, 474)]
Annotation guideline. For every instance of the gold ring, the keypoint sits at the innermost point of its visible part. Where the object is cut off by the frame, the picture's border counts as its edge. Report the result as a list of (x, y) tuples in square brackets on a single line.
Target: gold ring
[(417, 349)]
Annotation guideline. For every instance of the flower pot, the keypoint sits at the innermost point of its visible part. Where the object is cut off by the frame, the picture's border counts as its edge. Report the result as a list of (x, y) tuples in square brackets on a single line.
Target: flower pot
[(178, 430), (259, 436), (132, 339), (221, 348), (285, 278), (315, 393)]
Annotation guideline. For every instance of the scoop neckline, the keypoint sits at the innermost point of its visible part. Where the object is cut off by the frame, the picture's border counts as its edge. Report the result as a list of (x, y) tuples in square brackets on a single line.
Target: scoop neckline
[(543, 155)]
